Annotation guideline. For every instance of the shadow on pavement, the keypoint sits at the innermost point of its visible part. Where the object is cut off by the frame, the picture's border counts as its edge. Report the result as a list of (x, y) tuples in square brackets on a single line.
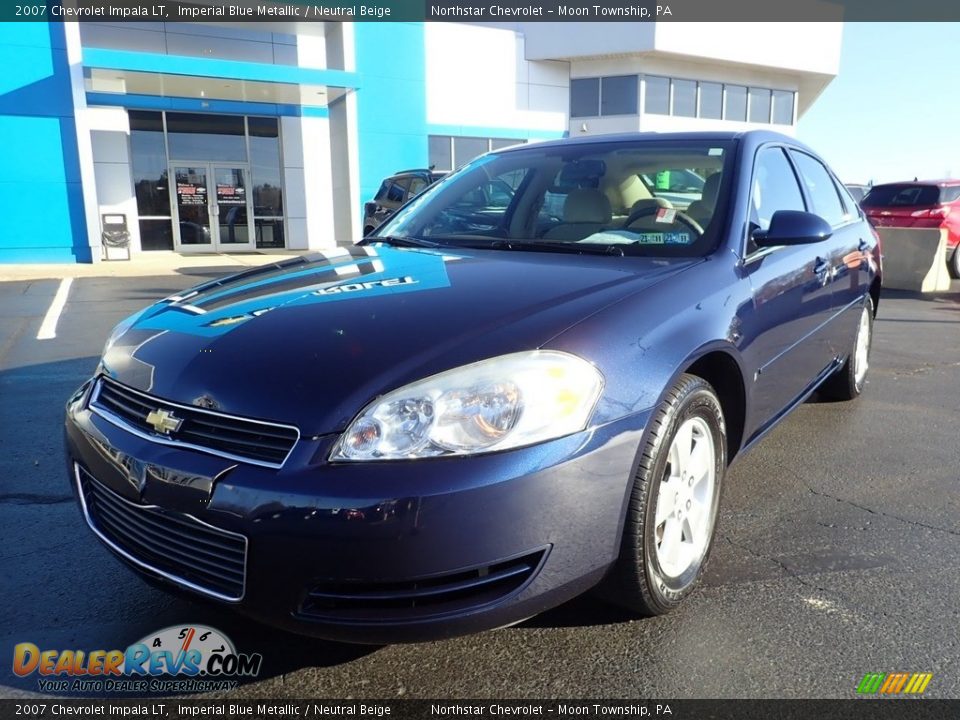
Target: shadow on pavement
[(211, 270), (893, 294), (584, 611)]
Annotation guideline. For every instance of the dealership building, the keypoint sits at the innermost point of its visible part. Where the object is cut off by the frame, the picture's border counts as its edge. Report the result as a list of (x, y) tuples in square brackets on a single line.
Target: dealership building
[(239, 137)]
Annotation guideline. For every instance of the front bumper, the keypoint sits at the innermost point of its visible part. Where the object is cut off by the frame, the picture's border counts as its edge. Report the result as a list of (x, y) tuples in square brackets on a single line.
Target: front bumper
[(364, 552)]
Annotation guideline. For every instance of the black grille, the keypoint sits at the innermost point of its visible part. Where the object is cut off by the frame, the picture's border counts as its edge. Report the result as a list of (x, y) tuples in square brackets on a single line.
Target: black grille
[(225, 435), (177, 546), (385, 602)]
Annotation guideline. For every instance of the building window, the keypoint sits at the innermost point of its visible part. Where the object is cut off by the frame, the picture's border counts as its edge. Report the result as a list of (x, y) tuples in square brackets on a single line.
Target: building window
[(585, 97), (193, 136), (684, 98), (604, 96), (783, 107), (466, 149), (447, 152), (711, 101), (735, 103), (715, 101), (657, 95), (618, 95), (148, 159), (759, 105), (263, 137), (440, 152)]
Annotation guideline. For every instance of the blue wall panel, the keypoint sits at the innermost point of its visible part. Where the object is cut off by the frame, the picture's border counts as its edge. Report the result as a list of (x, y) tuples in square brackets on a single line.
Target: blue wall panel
[(391, 102), (41, 200)]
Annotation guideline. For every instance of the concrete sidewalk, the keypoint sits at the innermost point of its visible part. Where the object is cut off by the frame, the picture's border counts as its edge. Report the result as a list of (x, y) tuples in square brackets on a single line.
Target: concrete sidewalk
[(147, 264)]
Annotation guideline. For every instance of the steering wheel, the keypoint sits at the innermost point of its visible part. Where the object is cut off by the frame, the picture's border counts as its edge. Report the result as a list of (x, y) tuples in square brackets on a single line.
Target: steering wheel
[(653, 209)]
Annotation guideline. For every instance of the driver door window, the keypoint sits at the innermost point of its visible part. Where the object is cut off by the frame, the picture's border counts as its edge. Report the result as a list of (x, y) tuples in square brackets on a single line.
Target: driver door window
[(774, 188)]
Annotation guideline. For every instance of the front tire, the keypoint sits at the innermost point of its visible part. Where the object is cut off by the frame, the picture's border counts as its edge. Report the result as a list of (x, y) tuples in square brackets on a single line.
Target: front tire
[(672, 512), (848, 382)]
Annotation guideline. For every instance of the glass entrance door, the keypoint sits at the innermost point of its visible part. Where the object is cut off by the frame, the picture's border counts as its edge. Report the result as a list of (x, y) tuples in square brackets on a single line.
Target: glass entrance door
[(191, 222), (212, 208), (231, 209)]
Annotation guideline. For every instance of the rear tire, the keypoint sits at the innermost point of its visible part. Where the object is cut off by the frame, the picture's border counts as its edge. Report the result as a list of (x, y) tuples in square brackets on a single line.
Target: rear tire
[(848, 382), (953, 265), (672, 511)]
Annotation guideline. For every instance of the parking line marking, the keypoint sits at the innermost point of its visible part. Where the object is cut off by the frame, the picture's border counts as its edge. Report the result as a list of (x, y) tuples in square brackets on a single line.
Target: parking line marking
[(48, 328)]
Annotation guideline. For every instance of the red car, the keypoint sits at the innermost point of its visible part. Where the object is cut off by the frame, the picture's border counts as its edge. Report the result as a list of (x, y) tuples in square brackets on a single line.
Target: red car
[(919, 204)]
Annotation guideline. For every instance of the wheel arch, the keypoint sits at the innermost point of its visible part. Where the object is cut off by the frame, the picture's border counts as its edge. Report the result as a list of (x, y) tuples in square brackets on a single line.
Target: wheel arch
[(875, 288), (721, 369)]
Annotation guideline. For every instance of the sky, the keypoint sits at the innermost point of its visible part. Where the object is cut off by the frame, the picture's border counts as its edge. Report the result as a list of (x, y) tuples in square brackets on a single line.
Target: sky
[(893, 111)]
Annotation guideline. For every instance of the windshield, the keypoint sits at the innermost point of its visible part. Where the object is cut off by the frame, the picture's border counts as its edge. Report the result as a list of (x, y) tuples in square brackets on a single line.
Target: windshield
[(643, 197)]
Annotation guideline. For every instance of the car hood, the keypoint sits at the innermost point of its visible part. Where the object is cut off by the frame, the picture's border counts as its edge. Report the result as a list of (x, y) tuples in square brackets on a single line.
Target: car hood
[(311, 341)]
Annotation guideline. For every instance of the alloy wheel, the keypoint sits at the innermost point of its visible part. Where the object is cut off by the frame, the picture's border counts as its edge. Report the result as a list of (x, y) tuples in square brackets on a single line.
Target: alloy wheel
[(683, 523), (861, 354)]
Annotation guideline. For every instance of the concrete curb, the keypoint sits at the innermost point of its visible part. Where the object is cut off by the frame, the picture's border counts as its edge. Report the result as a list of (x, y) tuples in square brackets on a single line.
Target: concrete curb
[(146, 264), (914, 259)]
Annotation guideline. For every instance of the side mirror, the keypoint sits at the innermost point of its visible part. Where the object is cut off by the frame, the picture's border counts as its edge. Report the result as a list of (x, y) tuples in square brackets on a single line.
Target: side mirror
[(793, 227)]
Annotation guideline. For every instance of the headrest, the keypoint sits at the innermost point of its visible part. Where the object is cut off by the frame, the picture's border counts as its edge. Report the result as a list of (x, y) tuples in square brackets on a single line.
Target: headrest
[(710, 189), (586, 205)]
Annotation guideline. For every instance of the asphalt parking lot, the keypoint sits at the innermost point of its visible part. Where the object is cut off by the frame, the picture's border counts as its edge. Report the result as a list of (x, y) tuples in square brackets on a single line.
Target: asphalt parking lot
[(838, 550)]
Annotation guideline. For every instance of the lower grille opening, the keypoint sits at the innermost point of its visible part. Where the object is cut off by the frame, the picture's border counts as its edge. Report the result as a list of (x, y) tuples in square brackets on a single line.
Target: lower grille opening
[(391, 601), (175, 545)]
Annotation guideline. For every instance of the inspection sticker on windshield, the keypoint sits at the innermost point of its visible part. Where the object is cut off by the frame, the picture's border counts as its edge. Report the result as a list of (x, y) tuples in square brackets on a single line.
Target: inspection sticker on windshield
[(666, 215), (674, 238)]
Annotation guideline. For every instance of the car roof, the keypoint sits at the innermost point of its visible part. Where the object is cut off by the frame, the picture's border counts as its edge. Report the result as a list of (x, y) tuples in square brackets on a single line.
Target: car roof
[(944, 182), (755, 137)]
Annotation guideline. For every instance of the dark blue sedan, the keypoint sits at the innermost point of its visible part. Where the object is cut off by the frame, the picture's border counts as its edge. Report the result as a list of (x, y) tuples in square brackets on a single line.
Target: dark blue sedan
[(529, 384)]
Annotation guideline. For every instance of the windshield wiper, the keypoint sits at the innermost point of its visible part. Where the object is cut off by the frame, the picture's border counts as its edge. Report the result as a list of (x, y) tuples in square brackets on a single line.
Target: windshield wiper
[(548, 246), (398, 241)]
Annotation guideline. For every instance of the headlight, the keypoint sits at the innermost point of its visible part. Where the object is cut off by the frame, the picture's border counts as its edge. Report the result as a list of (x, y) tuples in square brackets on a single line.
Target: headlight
[(495, 404)]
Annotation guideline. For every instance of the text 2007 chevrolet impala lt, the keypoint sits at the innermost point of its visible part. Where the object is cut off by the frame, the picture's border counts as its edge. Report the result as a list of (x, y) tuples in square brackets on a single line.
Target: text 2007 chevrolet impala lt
[(528, 384)]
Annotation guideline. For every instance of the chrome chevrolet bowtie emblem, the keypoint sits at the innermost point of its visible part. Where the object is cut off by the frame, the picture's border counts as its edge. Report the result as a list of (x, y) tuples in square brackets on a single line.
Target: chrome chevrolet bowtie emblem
[(164, 422)]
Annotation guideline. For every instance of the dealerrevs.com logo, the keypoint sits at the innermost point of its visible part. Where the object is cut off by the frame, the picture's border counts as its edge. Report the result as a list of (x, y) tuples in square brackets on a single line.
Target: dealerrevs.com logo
[(179, 658)]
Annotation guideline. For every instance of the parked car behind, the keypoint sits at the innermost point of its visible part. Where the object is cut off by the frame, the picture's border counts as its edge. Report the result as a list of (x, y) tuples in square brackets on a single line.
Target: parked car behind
[(394, 192), (529, 383), (919, 204)]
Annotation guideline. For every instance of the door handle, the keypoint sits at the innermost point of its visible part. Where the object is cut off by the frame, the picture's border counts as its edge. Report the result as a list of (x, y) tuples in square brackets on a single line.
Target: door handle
[(863, 246), (823, 270)]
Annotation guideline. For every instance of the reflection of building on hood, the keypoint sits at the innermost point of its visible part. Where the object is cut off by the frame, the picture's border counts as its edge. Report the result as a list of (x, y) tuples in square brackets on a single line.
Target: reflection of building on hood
[(235, 319)]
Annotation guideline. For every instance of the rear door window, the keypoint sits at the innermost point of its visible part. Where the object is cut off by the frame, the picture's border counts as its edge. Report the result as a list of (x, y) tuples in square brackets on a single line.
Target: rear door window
[(821, 189)]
